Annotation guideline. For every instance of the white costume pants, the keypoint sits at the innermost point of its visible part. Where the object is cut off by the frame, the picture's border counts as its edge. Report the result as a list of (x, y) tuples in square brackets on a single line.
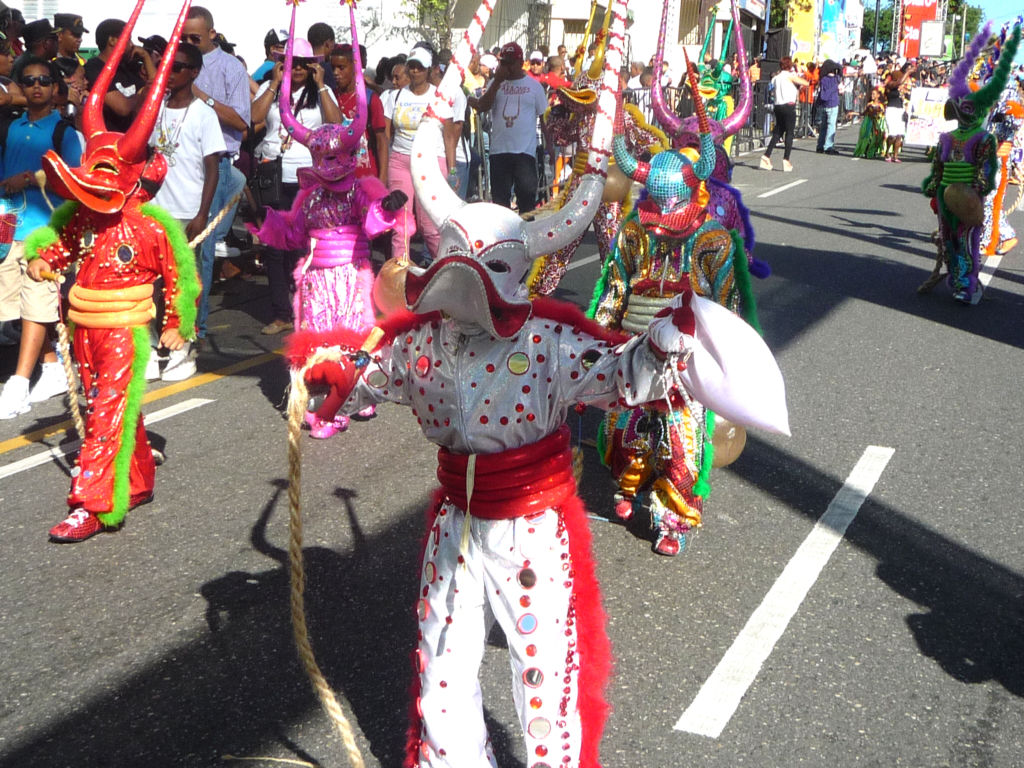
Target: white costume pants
[(522, 569)]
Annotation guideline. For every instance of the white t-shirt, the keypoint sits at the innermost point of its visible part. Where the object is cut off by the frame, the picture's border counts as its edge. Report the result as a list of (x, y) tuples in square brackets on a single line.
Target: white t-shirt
[(459, 116), (786, 91), (185, 137), (517, 105), (405, 111), (295, 154)]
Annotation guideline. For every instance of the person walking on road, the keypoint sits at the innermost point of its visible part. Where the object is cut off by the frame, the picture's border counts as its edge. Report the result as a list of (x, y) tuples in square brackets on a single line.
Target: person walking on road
[(786, 87)]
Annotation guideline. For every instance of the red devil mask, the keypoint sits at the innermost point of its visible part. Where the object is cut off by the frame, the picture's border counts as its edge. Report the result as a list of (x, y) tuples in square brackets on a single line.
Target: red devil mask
[(114, 163)]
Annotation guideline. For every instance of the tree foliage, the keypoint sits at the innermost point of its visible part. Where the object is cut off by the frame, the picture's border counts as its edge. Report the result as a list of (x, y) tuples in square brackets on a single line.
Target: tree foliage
[(953, 28), (433, 19)]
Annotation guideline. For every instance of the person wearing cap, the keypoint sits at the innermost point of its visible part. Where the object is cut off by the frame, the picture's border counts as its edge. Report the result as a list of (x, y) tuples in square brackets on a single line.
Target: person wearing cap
[(40, 42), (155, 46), (273, 51), (515, 102), (403, 115), (70, 29), (536, 65), (126, 90)]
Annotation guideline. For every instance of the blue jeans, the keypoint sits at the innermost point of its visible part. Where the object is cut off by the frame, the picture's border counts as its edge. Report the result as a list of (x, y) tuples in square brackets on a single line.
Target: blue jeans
[(827, 127), (230, 182), (462, 174)]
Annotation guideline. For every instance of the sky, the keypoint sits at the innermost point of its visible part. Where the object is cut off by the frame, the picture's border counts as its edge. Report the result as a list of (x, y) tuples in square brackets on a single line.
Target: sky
[(999, 11)]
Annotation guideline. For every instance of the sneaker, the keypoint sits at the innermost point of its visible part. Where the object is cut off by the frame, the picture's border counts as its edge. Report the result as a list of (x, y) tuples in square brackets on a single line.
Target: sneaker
[(766, 163), (78, 526), (787, 166), (153, 366), (14, 398), (667, 545), (181, 364), (276, 327), (52, 382), (224, 251), (888, 159), (896, 160), (623, 507)]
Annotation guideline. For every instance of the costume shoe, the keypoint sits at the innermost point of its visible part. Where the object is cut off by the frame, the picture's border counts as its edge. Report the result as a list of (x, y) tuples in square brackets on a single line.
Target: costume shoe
[(78, 526), (321, 430), (667, 545), (623, 507)]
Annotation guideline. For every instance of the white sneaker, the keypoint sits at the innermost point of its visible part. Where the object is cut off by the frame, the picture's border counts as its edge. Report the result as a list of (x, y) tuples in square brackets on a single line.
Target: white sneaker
[(224, 251), (14, 398), (181, 364), (52, 382), (153, 366)]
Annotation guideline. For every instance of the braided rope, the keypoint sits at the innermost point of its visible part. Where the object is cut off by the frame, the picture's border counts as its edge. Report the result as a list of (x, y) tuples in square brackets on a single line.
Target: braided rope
[(214, 222), (64, 341), (297, 401)]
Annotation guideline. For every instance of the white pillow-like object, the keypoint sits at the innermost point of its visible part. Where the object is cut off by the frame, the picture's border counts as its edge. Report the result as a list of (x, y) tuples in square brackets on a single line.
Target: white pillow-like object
[(733, 372)]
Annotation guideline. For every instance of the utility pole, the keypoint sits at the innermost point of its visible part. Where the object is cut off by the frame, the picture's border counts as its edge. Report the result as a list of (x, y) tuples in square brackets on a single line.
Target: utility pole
[(963, 29), (874, 35)]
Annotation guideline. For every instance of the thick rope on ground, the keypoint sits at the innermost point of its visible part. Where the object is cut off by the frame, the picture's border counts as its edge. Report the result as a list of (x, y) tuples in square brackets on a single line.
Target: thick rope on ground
[(297, 401)]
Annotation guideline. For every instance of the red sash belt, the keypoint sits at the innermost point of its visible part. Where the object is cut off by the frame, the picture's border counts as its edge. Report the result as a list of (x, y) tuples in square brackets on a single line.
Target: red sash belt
[(513, 483)]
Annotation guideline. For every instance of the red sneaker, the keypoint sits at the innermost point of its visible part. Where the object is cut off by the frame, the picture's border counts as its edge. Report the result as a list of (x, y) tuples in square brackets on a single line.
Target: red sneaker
[(78, 526), (624, 509), (667, 545)]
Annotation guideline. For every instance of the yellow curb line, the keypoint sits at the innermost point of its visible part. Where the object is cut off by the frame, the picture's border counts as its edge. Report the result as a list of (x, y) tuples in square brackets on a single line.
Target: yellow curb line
[(42, 433)]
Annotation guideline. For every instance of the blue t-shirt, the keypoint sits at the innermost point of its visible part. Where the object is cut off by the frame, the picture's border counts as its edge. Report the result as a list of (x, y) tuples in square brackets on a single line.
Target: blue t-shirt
[(829, 91), (27, 142)]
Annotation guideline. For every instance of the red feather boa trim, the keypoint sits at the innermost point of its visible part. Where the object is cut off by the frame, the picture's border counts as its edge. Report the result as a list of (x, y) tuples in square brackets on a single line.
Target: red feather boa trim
[(593, 647), (571, 315)]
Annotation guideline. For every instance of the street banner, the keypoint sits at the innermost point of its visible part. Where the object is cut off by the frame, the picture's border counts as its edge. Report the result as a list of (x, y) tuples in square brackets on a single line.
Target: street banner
[(925, 110), (829, 44), (914, 13), (803, 26)]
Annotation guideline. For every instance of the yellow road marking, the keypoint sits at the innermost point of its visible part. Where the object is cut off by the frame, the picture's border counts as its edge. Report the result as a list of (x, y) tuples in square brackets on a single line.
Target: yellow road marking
[(42, 433)]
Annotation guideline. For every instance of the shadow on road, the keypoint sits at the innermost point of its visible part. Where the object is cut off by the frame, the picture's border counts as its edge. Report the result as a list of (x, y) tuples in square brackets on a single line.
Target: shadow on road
[(239, 689), (972, 622)]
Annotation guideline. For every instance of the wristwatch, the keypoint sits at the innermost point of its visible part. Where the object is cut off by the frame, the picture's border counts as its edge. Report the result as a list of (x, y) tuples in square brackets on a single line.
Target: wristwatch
[(209, 101)]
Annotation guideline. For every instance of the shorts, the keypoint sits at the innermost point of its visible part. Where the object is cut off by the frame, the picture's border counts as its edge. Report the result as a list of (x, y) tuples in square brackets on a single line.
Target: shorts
[(894, 125), (20, 295)]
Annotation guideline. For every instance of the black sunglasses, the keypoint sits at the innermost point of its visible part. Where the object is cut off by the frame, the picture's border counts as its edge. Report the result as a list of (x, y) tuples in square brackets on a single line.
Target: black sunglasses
[(27, 81), (194, 39), (180, 65)]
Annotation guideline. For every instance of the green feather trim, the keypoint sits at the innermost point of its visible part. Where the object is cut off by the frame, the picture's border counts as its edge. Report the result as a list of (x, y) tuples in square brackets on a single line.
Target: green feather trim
[(741, 272), (43, 237), (602, 439), (129, 424), (702, 487), (188, 286)]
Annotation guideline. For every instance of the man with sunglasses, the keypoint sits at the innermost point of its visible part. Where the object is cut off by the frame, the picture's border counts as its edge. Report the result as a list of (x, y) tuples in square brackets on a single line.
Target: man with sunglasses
[(126, 90), (70, 29), (223, 85), (27, 139)]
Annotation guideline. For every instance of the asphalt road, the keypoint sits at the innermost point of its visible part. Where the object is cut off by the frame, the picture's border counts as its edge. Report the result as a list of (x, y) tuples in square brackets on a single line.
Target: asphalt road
[(168, 643)]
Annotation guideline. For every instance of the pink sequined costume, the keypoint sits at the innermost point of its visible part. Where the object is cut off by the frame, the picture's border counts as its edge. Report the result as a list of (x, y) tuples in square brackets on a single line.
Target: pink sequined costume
[(334, 215)]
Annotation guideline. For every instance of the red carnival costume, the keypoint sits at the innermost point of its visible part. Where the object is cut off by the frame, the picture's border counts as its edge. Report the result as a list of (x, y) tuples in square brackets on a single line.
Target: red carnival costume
[(123, 244), (490, 376)]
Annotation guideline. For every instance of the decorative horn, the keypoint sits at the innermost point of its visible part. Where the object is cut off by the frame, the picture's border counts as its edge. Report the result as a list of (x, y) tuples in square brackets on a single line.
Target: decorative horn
[(296, 129), (133, 146), (559, 229), (703, 168), (582, 48), (597, 66), (739, 116), (958, 79), (629, 165), (670, 121), (92, 113), (358, 126), (990, 92), (432, 190)]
